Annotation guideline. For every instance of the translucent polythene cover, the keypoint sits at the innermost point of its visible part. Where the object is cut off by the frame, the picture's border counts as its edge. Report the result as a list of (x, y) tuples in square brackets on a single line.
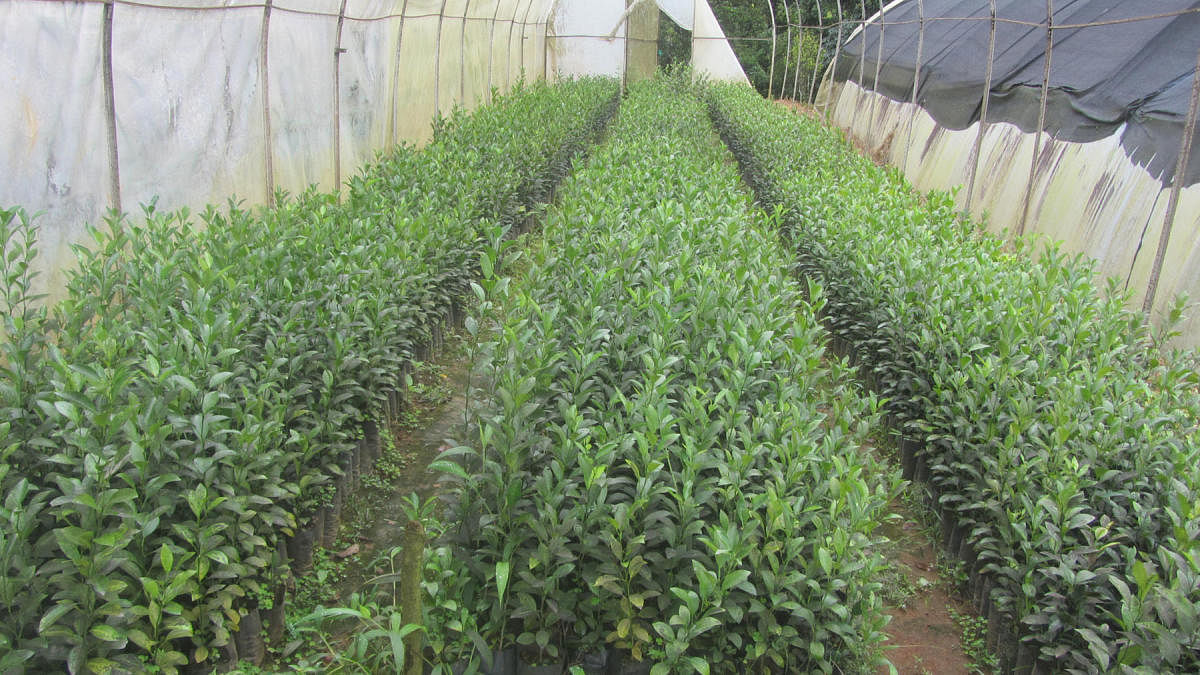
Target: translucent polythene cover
[(213, 99)]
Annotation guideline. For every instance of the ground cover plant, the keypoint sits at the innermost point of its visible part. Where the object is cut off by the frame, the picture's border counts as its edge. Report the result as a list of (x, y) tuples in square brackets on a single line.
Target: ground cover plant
[(668, 466), (1058, 435), (175, 431)]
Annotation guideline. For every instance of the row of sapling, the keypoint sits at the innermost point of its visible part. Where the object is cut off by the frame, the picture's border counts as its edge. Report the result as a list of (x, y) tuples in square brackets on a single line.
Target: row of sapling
[(668, 470), (1056, 432), (201, 395)]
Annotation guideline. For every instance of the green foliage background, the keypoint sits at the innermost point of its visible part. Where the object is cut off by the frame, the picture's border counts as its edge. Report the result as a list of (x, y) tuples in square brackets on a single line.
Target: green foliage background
[(748, 25)]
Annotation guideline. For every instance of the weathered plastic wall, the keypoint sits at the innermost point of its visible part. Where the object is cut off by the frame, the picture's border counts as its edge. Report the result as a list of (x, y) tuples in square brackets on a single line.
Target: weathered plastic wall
[(1089, 196), (212, 100)]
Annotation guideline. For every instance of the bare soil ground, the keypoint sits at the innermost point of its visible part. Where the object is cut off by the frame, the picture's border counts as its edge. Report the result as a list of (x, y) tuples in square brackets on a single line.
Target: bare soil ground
[(923, 637)]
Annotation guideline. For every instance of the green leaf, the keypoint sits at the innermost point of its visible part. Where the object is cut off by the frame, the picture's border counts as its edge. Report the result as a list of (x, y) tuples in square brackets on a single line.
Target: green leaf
[(51, 617), (486, 264), (68, 410), (502, 570), (166, 558), (107, 633)]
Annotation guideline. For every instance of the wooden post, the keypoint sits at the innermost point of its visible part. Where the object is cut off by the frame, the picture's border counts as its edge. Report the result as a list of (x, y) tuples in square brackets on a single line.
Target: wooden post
[(462, 56), (437, 62), (412, 563), (812, 86), (799, 53), (508, 78), (973, 160), (525, 27), (1037, 139), (771, 74), (263, 67), (337, 103), (878, 63), (110, 109), (491, 51), (837, 49), (1177, 181), (787, 50), (396, 72), (916, 76)]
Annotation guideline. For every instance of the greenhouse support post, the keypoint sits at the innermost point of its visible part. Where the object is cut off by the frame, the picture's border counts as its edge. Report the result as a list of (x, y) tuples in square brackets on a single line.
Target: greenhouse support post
[(774, 37), (973, 160), (812, 86), (837, 48), (396, 72), (1185, 150), (1037, 139), (508, 52), (437, 62), (110, 109), (462, 55), (787, 49), (337, 102), (916, 75), (799, 54), (268, 155), (862, 70), (492, 50), (878, 63), (862, 31), (524, 37)]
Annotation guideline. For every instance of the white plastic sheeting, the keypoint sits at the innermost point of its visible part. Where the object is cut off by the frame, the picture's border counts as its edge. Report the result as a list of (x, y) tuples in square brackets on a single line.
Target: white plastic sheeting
[(213, 99)]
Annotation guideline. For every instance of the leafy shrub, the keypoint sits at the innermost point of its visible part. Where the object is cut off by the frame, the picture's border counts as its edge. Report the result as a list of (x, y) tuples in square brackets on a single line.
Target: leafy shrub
[(200, 390), (669, 467), (1060, 439)]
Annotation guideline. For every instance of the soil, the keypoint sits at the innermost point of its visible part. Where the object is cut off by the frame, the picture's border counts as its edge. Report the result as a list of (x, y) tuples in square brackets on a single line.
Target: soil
[(426, 429), (922, 637)]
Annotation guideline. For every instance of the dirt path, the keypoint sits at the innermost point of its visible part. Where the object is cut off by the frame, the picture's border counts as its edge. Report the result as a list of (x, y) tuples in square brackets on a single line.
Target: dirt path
[(372, 536), (924, 637)]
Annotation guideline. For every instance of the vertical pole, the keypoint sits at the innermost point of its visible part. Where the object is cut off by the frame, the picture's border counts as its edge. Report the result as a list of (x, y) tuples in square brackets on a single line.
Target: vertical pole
[(110, 110), (799, 53), (266, 109), (916, 76), (492, 50), (812, 86), (411, 568), (973, 160), (837, 49), (1177, 181), (396, 72), (508, 78), (771, 74), (862, 67), (462, 56), (437, 62), (787, 50), (862, 31), (1037, 140), (337, 102), (525, 27), (878, 63)]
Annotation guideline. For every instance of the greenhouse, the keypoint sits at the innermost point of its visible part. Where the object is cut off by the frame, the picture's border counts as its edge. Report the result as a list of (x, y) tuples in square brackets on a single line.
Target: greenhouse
[(550, 336)]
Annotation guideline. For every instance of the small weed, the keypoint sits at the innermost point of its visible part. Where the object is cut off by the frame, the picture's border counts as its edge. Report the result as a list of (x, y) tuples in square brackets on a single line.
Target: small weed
[(953, 572), (320, 586), (430, 384), (974, 642), (898, 588)]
